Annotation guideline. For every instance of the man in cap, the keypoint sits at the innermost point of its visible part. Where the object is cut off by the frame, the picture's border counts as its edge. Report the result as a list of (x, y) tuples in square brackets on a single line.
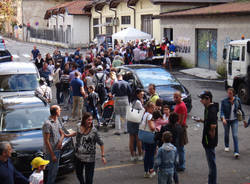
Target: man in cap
[(210, 132)]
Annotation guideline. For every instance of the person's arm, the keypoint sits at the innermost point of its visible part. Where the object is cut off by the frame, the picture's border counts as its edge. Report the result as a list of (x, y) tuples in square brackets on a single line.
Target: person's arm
[(19, 178), (181, 118), (82, 92), (212, 130), (222, 115), (100, 142), (72, 134), (157, 161), (151, 125), (49, 147), (59, 144)]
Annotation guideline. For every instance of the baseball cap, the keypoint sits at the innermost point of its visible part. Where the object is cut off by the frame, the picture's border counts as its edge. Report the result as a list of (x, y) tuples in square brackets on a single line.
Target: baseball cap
[(38, 161), (205, 94)]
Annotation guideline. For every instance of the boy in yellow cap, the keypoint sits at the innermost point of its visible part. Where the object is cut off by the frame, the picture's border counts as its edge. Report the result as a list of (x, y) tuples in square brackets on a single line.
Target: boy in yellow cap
[(39, 165)]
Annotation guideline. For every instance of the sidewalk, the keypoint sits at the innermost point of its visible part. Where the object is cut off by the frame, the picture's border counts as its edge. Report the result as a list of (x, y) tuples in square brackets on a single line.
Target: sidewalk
[(202, 73)]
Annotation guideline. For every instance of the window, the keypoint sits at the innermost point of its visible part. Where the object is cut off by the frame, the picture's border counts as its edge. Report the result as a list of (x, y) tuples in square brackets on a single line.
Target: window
[(147, 24), (234, 53), (109, 28), (168, 32), (95, 29), (125, 19), (243, 53)]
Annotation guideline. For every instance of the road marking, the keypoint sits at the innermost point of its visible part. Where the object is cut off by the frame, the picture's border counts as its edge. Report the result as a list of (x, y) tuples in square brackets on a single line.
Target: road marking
[(15, 56), (26, 55), (116, 166), (201, 80)]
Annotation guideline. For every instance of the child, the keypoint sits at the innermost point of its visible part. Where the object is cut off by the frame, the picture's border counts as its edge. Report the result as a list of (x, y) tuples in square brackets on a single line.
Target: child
[(158, 120), (165, 160), (166, 112), (93, 99), (39, 165)]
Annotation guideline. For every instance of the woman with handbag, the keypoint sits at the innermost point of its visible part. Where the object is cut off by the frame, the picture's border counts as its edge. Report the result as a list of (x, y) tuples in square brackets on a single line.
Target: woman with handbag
[(133, 127), (146, 135), (231, 113), (86, 138)]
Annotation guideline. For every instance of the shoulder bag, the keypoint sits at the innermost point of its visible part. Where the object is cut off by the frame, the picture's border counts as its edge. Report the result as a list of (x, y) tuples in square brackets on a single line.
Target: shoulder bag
[(134, 115), (146, 136)]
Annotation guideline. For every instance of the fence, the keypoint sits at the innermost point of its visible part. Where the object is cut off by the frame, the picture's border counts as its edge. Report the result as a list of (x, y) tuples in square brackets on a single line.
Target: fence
[(57, 35)]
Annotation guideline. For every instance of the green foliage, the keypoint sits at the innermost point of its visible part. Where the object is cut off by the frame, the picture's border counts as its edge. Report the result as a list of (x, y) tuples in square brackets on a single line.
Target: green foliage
[(186, 64), (222, 70)]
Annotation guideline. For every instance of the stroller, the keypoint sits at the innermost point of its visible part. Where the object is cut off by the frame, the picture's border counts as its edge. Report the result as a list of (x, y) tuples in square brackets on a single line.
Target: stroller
[(108, 112)]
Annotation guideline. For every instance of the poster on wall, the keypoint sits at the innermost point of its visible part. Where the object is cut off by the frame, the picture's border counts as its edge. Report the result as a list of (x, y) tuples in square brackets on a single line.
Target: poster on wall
[(183, 45)]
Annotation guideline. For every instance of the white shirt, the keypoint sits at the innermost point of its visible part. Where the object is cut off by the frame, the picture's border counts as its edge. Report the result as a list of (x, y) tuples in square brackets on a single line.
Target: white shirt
[(36, 178), (232, 112), (44, 91), (146, 117)]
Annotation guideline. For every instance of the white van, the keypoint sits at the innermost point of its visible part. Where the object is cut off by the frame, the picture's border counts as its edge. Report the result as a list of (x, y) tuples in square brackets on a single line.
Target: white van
[(17, 78)]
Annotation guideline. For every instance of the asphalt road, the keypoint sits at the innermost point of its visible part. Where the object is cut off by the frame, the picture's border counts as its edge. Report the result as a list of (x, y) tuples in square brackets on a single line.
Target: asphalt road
[(119, 168)]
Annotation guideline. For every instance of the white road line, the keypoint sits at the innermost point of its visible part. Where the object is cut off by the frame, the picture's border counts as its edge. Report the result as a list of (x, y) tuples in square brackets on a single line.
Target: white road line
[(15, 56), (201, 80), (26, 55)]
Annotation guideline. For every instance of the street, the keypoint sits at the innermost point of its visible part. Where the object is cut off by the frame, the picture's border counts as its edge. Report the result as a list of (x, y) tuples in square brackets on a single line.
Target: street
[(119, 168)]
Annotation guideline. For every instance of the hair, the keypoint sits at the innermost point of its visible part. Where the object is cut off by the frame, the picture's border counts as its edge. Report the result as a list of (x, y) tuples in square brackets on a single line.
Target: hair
[(166, 106), (53, 110), (3, 146), (167, 137), (92, 87), (91, 71), (173, 118), (157, 114), (85, 116), (152, 86), (138, 91), (74, 65), (77, 74), (149, 105), (231, 89), (159, 102)]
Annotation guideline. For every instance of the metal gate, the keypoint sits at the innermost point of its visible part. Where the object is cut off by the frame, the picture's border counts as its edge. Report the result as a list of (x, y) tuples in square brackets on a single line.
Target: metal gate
[(206, 48)]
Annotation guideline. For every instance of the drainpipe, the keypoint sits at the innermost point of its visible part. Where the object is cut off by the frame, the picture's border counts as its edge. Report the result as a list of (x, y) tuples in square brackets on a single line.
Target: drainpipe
[(115, 17), (100, 13), (134, 14)]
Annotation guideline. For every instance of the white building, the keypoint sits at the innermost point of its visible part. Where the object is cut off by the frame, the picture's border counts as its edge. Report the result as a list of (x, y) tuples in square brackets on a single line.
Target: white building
[(70, 24)]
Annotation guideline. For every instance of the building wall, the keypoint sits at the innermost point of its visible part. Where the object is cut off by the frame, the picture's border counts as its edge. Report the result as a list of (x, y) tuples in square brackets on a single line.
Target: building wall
[(228, 28), (80, 30), (143, 7)]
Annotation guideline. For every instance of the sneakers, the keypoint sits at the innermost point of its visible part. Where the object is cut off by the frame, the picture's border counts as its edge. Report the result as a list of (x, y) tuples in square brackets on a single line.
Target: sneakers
[(146, 175), (140, 158), (152, 174), (236, 155), (226, 149), (133, 159)]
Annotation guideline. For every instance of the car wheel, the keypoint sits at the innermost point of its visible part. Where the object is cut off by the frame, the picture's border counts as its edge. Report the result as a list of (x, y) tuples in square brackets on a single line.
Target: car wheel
[(243, 93)]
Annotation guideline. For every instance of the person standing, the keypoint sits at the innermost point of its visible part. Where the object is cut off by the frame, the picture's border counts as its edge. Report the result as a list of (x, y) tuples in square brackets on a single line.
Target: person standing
[(65, 88), (181, 110), (153, 95), (121, 90), (228, 113), (210, 133), (8, 173), (53, 136), (44, 91), (78, 93), (56, 80), (38, 165), (35, 52), (86, 138), (136, 53), (39, 61)]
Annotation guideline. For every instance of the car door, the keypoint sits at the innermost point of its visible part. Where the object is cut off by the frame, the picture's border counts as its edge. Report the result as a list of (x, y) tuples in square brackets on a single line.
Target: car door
[(234, 63)]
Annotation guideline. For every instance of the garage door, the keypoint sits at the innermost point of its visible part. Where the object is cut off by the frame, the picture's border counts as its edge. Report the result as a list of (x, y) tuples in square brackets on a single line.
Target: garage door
[(206, 48)]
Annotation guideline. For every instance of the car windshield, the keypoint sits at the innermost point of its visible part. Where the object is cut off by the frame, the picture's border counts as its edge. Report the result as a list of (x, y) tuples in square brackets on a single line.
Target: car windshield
[(19, 82), (24, 119), (157, 76)]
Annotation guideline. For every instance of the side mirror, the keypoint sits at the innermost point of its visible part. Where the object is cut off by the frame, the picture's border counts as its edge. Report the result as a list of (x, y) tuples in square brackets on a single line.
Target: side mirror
[(224, 54)]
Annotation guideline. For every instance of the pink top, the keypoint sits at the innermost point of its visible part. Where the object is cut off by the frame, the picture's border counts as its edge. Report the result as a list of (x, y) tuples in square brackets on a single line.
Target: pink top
[(159, 123)]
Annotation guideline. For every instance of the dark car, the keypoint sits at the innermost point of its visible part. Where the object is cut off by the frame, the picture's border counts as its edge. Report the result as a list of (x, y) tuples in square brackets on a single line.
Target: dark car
[(21, 121), (5, 55), (140, 76)]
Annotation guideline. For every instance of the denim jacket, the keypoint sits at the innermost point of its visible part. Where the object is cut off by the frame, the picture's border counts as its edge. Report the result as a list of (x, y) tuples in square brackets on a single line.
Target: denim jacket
[(166, 158), (225, 110)]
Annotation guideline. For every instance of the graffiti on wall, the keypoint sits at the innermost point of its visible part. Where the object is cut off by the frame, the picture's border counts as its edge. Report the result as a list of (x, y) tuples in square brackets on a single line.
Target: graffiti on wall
[(183, 45), (226, 42)]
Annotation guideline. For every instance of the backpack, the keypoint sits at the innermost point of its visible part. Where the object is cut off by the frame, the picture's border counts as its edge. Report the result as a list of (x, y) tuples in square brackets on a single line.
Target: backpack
[(100, 88)]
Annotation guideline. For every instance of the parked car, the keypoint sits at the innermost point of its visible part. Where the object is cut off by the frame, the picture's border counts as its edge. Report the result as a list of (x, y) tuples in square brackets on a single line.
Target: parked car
[(2, 43), (5, 55), (18, 78), (21, 121), (140, 76)]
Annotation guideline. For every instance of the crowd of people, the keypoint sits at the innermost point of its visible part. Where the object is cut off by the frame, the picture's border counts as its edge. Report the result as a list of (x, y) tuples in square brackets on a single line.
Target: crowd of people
[(83, 84)]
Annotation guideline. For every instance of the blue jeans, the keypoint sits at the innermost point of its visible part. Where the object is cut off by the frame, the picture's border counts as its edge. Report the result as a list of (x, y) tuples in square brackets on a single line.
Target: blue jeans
[(53, 167), (89, 168), (94, 112), (181, 155), (212, 176), (149, 156), (165, 177), (234, 126)]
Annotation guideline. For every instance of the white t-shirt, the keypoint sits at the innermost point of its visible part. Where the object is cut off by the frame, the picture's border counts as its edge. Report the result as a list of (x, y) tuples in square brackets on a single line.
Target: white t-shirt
[(36, 178), (146, 117)]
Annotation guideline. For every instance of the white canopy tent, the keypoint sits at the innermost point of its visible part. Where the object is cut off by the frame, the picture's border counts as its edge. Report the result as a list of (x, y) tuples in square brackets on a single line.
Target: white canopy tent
[(130, 34)]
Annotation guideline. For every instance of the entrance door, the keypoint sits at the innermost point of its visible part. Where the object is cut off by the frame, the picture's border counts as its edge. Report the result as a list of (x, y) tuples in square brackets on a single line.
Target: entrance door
[(207, 48)]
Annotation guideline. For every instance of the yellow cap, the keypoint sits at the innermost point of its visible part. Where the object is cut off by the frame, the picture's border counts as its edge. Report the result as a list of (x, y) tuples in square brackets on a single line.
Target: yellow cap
[(38, 161)]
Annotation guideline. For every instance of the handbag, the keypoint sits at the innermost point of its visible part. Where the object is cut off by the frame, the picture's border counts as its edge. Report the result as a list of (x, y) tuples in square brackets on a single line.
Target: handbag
[(146, 136), (134, 115), (239, 115)]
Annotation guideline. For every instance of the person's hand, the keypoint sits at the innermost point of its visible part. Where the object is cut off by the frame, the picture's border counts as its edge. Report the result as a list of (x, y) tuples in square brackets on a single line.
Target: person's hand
[(104, 161), (212, 134), (245, 123), (59, 146), (224, 122), (54, 159)]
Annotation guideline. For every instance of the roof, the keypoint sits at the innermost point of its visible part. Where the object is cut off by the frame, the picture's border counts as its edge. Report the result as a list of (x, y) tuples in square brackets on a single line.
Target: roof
[(192, 1), (13, 67), (240, 8), (240, 42), (73, 8)]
